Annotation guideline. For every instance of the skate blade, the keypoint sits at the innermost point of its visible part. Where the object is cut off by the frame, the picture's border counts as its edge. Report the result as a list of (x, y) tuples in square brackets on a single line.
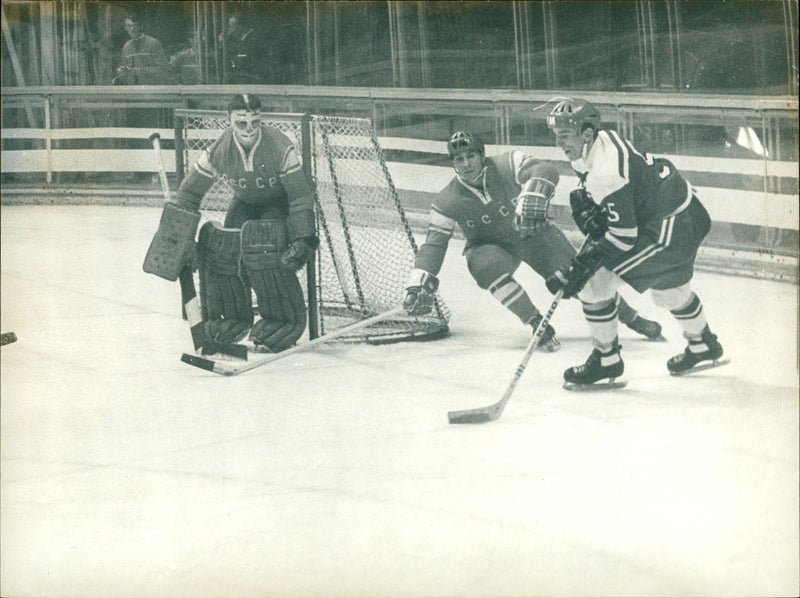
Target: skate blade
[(610, 384), (704, 366), (550, 347)]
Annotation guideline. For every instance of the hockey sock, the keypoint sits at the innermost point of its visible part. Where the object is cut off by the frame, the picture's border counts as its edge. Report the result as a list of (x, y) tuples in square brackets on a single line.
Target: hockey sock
[(509, 292), (626, 313), (602, 320), (691, 318)]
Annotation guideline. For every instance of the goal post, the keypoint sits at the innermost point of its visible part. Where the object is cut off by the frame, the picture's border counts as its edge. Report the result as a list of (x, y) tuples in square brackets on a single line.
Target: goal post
[(367, 248)]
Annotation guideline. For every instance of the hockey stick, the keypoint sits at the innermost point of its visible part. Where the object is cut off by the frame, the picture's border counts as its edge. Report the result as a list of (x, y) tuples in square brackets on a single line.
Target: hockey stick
[(232, 369), (480, 415), (191, 306)]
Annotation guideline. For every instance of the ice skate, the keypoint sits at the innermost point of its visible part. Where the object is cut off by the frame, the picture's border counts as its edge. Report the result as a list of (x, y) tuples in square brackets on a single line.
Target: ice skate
[(648, 328), (600, 371), (548, 342), (699, 355)]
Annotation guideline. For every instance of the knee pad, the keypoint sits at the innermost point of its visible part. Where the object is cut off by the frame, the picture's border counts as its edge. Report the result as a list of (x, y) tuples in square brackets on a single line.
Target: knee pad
[(487, 263), (672, 298), (225, 300), (281, 304)]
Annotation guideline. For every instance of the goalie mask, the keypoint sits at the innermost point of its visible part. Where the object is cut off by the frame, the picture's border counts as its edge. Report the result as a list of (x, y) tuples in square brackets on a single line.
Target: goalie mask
[(244, 111)]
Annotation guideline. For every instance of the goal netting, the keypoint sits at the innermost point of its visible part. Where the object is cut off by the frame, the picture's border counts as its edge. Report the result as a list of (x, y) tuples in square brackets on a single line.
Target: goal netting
[(367, 248)]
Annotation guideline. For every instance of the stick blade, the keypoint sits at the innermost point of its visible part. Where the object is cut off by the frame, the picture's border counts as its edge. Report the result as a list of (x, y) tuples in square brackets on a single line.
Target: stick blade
[(478, 415), (198, 362), (230, 349), (470, 416)]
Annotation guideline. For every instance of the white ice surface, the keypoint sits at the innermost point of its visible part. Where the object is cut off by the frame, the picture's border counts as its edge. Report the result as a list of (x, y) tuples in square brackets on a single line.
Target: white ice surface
[(335, 473)]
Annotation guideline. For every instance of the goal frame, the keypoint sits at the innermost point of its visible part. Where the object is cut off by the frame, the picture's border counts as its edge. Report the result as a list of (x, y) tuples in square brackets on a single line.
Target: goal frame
[(327, 144)]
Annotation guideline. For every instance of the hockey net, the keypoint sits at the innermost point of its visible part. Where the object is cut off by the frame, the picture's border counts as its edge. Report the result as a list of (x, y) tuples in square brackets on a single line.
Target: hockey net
[(367, 248)]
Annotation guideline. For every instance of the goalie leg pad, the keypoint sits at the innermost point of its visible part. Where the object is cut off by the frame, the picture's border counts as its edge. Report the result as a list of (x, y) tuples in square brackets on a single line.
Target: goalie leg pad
[(280, 298), (173, 243), (224, 297)]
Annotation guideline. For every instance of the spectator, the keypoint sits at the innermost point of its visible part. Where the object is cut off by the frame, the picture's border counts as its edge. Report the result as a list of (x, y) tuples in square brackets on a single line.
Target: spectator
[(241, 49), (184, 66), (143, 58)]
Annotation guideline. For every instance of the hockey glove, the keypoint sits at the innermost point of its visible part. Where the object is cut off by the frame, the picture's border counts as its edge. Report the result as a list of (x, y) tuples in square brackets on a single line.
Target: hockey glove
[(298, 253), (589, 217), (420, 292), (173, 245), (534, 200), (571, 279)]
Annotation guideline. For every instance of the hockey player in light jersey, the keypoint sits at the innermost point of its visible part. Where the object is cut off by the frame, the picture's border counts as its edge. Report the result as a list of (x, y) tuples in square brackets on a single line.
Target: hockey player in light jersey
[(645, 225), (269, 233), (500, 203)]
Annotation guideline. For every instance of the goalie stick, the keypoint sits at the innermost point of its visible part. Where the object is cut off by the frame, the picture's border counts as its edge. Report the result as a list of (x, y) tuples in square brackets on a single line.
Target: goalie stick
[(480, 415), (191, 306), (232, 369)]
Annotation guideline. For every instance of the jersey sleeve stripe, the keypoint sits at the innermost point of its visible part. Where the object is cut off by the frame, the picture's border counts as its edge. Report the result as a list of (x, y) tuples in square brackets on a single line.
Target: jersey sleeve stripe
[(290, 162), (438, 229), (622, 154), (619, 231), (664, 240), (440, 222), (203, 166), (618, 243)]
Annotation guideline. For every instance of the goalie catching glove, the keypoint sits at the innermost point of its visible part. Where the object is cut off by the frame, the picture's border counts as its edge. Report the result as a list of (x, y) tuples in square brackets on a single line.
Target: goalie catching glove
[(421, 289), (534, 200), (571, 279), (298, 253), (590, 217)]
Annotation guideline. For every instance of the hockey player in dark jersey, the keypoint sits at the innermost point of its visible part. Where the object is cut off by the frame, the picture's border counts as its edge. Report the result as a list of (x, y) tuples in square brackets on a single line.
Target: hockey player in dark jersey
[(500, 203), (269, 233), (645, 225)]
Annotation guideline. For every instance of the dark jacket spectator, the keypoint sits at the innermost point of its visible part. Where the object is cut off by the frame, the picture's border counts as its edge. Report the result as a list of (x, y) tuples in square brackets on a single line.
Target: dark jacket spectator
[(242, 48)]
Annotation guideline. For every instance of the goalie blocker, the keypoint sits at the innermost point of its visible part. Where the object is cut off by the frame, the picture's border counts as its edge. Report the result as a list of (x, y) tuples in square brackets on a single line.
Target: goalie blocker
[(173, 244)]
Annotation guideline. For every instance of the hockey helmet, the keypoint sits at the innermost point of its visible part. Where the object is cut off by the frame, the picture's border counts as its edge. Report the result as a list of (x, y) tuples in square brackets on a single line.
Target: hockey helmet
[(244, 101), (573, 113), (464, 140)]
